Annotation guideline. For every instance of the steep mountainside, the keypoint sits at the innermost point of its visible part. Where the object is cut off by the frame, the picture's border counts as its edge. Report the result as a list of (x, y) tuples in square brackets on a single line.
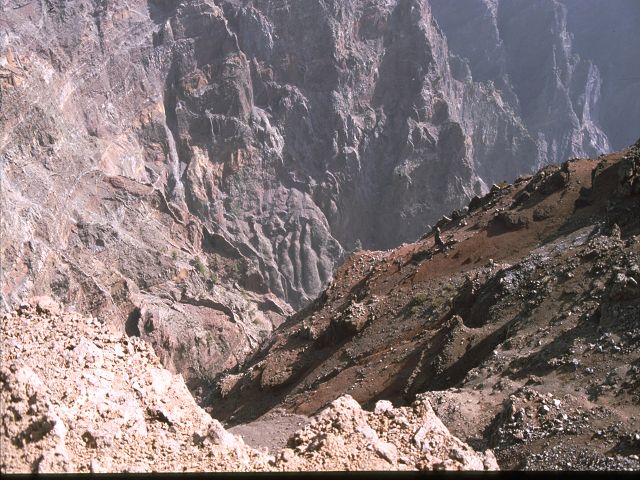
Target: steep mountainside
[(589, 23), (193, 171), (77, 397), (572, 85), (522, 324), (554, 91)]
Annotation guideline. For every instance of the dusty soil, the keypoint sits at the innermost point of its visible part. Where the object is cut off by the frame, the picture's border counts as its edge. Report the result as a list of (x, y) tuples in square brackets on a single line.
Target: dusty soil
[(271, 431), (537, 289), (77, 397)]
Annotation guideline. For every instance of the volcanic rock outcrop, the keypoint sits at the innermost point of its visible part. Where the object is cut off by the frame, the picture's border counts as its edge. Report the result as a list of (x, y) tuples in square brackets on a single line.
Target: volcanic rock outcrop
[(193, 171), (522, 326)]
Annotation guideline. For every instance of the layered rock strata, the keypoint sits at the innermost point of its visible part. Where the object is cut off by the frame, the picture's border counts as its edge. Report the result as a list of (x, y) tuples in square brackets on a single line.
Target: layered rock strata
[(194, 171)]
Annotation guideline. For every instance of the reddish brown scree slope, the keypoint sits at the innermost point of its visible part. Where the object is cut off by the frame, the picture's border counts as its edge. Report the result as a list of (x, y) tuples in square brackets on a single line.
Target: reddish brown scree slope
[(538, 289)]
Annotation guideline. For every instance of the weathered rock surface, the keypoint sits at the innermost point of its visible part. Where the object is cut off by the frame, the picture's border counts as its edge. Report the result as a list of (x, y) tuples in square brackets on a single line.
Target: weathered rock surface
[(406, 438), (556, 85), (522, 326), (200, 167), (77, 397), (91, 212)]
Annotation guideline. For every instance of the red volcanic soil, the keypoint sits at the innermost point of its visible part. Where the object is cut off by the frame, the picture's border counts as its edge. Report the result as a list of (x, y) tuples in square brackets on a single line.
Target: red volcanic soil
[(524, 331)]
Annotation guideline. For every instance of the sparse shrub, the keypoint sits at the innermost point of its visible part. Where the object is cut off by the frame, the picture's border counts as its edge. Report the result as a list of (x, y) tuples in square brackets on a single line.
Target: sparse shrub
[(419, 298), (200, 267), (240, 268), (205, 272)]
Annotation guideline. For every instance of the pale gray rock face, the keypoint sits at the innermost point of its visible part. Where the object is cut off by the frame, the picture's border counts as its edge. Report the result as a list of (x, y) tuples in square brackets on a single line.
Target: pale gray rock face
[(194, 170), (349, 111), (565, 67), (92, 209), (614, 51)]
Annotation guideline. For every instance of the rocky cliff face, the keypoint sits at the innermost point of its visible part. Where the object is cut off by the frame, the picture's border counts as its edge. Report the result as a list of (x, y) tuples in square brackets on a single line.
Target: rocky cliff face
[(193, 170), (92, 211), (526, 49), (522, 324)]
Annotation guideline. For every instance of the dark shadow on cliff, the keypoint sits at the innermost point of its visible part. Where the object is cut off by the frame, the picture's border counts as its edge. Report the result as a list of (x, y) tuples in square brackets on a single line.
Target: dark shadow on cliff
[(161, 10)]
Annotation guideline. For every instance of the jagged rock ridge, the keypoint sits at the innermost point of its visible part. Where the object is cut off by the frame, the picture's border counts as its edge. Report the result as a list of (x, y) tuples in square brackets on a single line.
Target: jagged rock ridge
[(521, 324), (192, 170)]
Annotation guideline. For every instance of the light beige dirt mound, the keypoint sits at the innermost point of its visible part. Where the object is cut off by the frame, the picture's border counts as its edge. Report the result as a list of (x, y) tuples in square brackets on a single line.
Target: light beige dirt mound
[(346, 437), (76, 397)]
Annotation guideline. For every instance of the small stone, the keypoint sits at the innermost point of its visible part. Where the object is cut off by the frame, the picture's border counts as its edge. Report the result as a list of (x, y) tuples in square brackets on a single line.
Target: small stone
[(287, 455), (457, 454), (95, 467), (420, 435), (388, 451), (368, 432), (219, 436), (383, 406)]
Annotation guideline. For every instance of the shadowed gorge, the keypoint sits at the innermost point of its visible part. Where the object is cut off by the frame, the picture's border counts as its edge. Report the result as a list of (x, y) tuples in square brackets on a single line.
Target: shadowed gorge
[(202, 175)]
